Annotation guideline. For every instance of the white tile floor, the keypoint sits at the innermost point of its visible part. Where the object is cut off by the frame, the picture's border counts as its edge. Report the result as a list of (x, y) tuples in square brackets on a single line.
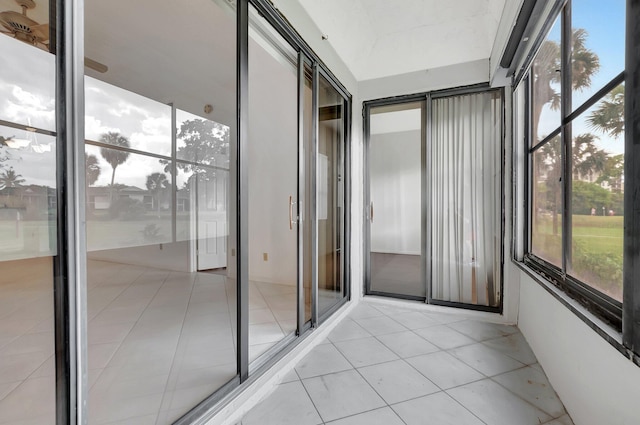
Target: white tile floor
[(174, 338), (389, 366), (159, 341)]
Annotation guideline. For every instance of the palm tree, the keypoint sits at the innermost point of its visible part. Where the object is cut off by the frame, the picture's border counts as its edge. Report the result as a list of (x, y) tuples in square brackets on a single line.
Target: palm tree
[(546, 72), (3, 144), (10, 180), (608, 117), (92, 169), (588, 159), (114, 157), (156, 182), (584, 62)]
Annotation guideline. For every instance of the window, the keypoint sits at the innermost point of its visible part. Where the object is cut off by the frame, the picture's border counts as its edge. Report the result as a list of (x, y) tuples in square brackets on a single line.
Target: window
[(575, 146)]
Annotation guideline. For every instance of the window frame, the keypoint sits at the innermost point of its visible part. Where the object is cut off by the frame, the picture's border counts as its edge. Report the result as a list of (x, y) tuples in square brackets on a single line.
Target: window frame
[(600, 304)]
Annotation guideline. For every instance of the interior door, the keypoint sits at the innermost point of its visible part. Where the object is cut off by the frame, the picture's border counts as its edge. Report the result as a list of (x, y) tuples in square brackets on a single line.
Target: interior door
[(212, 189)]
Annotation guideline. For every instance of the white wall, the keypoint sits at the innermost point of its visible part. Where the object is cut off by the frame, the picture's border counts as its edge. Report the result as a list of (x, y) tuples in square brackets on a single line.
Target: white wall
[(462, 74), (596, 383)]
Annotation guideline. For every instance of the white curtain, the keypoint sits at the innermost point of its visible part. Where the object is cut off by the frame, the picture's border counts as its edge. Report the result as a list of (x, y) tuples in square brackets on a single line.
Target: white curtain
[(465, 204)]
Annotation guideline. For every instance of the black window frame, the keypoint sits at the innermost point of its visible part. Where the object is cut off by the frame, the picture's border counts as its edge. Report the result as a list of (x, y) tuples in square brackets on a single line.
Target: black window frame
[(602, 305)]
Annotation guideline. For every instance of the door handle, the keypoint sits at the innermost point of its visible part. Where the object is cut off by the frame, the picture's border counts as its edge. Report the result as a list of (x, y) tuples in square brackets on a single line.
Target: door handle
[(371, 211), (290, 212)]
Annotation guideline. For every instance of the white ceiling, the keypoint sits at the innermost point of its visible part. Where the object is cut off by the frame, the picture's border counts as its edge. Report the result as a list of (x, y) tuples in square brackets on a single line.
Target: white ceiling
[(379, 38)]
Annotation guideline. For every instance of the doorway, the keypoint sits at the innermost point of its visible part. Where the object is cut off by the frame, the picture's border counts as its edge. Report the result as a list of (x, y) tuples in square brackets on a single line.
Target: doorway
[(434, 197)]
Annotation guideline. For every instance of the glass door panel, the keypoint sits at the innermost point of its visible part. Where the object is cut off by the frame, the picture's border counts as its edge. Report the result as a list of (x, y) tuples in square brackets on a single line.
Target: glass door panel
[(330, 195), (273, 187), (309, 152), (28, 229), (160, 127), (395, 170)]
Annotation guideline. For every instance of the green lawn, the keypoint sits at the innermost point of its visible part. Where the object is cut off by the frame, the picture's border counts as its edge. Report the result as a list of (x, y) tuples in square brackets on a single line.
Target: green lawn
[(597, 249)]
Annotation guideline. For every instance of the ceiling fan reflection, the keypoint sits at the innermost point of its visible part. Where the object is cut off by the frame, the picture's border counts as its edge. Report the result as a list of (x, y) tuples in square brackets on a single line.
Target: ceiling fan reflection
[(21, 27)]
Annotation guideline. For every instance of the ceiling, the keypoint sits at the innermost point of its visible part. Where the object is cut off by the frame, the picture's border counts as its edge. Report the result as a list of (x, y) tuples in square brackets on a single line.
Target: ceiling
[(379, 38)]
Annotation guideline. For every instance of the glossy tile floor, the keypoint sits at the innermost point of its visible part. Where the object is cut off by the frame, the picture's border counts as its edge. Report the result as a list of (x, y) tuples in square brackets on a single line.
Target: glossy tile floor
[(159, 341), (162, 341), (390, 366)]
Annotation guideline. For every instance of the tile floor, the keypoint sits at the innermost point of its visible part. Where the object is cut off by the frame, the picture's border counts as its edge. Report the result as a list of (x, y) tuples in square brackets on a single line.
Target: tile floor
[(159, 341), (391, 366)]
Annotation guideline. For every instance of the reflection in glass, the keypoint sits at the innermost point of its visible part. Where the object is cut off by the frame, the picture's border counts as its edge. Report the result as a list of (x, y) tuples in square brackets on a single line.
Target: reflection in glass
[(597, 197), (273, 187), (27, 218), (135, 209), (27, 98), (201, 140), (161, 301), (395, 150), (546, 225), (330, 195), (111, 110), (546, 72), (597, 50), (27, 194)]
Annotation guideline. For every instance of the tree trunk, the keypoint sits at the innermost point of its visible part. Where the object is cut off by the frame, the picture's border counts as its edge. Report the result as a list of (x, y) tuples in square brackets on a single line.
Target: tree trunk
[(113, 176)]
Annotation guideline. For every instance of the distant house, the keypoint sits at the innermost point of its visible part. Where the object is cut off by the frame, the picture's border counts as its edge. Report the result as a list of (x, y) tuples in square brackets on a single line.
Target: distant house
[(99, 197), (31, 202)]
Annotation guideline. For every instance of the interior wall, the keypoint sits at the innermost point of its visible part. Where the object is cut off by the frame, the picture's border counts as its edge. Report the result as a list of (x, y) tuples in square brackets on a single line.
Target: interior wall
[(462, 74), (596, 383), (510, 273)]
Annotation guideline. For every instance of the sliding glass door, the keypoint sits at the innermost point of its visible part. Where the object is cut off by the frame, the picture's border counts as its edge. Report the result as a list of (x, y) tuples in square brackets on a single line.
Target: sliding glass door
[(30, 233), (395, 206), (330, 195), (434, 197), (273, 187), (163, 230)]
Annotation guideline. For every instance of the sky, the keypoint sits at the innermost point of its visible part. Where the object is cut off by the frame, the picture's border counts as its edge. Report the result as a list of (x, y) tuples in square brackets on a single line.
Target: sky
[(28, 98), (604, 22)]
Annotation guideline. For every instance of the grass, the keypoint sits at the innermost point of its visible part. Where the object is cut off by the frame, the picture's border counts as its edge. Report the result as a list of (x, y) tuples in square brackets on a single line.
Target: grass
[(597, 249), (600, 234)]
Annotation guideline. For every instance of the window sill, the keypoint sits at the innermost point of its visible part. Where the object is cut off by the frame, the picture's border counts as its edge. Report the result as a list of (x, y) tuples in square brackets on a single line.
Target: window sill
[(606, 331)]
